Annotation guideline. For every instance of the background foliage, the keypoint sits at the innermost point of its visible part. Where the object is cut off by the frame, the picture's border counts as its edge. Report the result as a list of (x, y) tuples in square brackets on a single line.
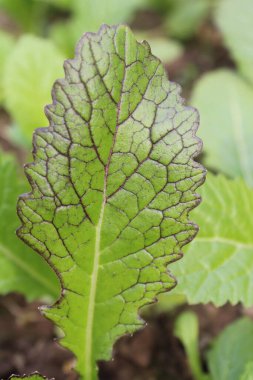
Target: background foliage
[(206, 46)]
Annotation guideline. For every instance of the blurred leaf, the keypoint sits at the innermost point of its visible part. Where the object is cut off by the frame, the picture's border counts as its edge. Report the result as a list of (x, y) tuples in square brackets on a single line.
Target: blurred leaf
[(248, 372), (61, 4), (88, 15), (218, 265), (232, 351), (30, 71), (187, 330), (166, 50), (21, 270), (185, 17), (169, 301), (6, 46), (225, 102), (113, 174), (234, 18), (28, 14)]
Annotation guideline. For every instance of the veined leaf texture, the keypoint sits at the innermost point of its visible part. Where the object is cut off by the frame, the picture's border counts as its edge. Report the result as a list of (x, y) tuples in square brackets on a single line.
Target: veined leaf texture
[(113, 181)]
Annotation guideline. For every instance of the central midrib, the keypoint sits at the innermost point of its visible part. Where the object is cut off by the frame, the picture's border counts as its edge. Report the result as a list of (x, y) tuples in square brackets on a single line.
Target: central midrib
[(92, 295), (93, 289)]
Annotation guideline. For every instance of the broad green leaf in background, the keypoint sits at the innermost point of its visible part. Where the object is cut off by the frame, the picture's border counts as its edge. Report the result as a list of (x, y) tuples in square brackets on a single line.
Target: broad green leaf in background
[(20, 269), (89, 15), (166, 50), (224, 102), (232, 351), (112, 185), (30, 70), (234, 19), (187, 330), (185, 17), (248, 372), (218, 265), (6, 46)]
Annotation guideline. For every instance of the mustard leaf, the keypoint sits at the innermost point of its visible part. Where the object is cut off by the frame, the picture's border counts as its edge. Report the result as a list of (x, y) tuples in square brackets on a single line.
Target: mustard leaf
[(231, 353), (113, 181), (29, 74), (20, 270), (224, 102), (234, 19), (217, 266)]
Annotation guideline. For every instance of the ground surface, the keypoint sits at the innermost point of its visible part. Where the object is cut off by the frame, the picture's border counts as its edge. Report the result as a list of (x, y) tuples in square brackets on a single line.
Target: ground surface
[(27, 343)]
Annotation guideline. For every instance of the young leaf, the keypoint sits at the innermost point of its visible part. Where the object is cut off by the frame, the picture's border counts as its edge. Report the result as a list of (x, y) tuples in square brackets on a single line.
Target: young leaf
[(30, 71), (187, 330), (232, 351), (218, 265), (248, 372), (234, 18), (112, 185), (20, 270), (225, 101)]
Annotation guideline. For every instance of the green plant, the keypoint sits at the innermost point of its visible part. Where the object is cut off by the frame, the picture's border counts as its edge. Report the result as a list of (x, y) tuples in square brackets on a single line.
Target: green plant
[(186, 329), (230, 355), (113, 181), (184, 17), (234, 19), (28, 79), (20, 269), (230, 358), (224, 101), (217, 267)]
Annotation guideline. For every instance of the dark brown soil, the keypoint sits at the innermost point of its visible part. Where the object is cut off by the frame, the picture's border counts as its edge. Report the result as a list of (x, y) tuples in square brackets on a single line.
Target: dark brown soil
[(27, 344)]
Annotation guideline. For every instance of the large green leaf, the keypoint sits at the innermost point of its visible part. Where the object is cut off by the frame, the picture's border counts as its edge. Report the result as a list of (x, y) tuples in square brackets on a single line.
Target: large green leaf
[(232, 351), (234, 18), (30, 71), (225, 101), (218, 265), (112, 185), (20, 269)]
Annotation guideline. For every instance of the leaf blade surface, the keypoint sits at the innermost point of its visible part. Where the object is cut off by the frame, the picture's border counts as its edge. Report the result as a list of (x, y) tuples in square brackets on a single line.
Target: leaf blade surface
[(217, 266), (20, 270), (112, 184), (224, 101)]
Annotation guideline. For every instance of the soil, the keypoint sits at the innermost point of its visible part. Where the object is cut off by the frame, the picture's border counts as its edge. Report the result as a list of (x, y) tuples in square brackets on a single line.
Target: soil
[(28, 343)]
